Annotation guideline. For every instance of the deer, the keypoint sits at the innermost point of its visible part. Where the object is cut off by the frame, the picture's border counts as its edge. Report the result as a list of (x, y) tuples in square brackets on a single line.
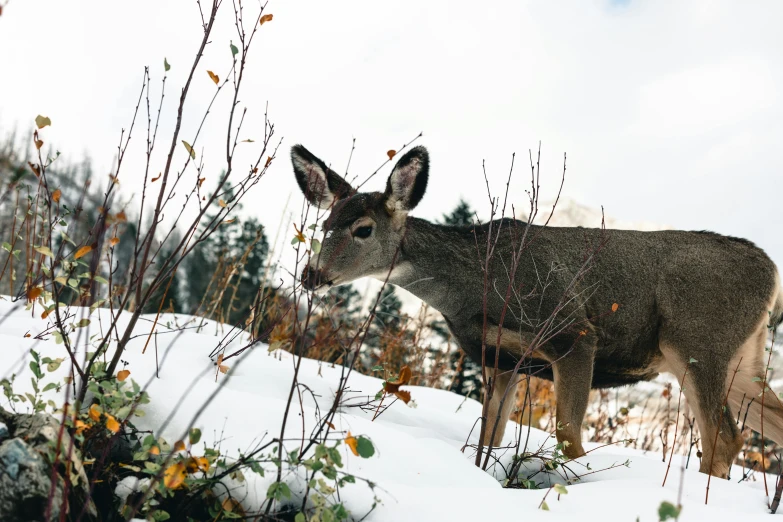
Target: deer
[(695, 304)]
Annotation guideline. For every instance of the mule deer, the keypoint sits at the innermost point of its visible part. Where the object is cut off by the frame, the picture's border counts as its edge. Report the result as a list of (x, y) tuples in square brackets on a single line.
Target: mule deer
[(688, 299)]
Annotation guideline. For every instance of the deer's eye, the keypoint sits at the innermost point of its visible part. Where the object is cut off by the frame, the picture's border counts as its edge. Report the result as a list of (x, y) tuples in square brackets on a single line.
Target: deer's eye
[(362, 232)]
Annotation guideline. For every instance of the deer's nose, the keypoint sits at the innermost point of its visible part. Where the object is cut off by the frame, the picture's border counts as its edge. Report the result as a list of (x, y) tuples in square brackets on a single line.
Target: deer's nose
[(312, 278)]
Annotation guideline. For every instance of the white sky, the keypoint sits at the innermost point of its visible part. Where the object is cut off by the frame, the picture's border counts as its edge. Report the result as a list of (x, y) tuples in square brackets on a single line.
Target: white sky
[(669, 111)]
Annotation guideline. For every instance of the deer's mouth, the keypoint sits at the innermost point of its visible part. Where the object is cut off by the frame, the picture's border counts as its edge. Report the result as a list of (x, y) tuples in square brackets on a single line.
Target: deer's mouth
[(316, 280)]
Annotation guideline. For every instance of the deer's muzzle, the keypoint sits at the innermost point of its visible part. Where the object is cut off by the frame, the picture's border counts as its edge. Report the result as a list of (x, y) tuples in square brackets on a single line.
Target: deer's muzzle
[(313, 278)]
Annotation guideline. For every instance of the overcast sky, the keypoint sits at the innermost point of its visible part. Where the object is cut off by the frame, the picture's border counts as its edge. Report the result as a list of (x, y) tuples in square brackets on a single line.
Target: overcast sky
[(670, 111)]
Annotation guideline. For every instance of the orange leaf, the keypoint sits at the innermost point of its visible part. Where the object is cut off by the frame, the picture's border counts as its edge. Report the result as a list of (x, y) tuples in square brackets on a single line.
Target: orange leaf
[(154, 450), (201, 181), (38, 144), (615, 306), (33, 293), (223, 368), (268, 161), (121, 217), (111, 424), (56, 195), (113, 241), (80, 426), (222, 203), (153, 180), (197, 464), (232, 505), (352, 443), (36, 169), (220, 359), (404, 396), (214, 79), (95, 412), (264, 19), (46, 313), (179, 446), (174, 476), (28, 334), (86, 249), (405, 376), (391, 153), (122, 375)]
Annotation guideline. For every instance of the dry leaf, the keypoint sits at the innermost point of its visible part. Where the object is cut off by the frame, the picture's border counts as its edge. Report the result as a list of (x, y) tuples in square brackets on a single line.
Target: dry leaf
[(403, 395), (95, 412), (229, 221), (46, 313), (615, 306), (113, 241), (56, 195), (391, 153), (393, 387), (223, 368), (111, 424), (222, 203), (153, 180), (179, 446), (38, 144), (353, 443), (121, 217), (214, 77), (36, 169), (28, 334), (86, 249), (174, 476), (33, 293), (268, 161), (197, 464), (331, 425), (201, 181), (42, 121), (122, 375), (264, 19), (232, 505)]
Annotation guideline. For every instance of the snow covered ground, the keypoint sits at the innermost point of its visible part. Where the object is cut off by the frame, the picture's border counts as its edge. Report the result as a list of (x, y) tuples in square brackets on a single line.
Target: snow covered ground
[(419, 468)]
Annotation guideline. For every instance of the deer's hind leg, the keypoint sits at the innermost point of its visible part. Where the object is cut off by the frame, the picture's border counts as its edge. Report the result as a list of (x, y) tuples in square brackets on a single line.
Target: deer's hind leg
[(706, 386)]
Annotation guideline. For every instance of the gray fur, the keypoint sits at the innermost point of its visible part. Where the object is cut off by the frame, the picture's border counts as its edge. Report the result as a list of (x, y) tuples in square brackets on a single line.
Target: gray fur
[(681, 296)]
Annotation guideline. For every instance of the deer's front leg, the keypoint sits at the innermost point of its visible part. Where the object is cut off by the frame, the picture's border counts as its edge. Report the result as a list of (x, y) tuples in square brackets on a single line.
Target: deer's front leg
[(499, 408), (573, 375)]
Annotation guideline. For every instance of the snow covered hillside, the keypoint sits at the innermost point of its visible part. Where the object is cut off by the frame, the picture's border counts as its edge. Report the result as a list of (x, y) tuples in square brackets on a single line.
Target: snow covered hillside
[(418, 468)]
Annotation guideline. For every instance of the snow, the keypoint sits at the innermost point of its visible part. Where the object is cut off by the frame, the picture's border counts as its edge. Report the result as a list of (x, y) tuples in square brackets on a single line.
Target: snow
[(419, 468)]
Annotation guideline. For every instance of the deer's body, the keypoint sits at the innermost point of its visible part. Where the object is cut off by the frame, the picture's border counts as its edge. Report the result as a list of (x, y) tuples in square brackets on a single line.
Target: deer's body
[(694, 304)]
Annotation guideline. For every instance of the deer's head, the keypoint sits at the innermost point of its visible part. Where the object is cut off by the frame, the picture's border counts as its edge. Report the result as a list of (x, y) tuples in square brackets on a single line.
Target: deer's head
[(363, 231)]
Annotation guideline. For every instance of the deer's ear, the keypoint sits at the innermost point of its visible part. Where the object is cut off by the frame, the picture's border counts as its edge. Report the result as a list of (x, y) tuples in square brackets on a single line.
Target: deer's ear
[(408, 181), (320, 184)]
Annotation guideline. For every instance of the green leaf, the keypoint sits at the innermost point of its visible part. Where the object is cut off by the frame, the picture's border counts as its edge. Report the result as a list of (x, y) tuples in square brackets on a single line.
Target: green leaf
[(315, 245), (36, 369), (42, 121), (82, 323), (668, 510), (102, 280), (50, 386), (561, 489), (692, 360), (194, 436), (335, 456), (6, 246), (377, 368), (300, 517), (44, 250), (166, 65), (159, 514), (756, 379), (52, 366), (189, 149), (278, 491), (234, 49), (544, 506), (365, 447)]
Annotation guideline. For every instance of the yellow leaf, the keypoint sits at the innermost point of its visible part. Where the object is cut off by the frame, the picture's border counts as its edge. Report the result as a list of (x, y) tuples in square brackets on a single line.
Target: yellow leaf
[(154, 450), (122, 375), (391, 153), (113, 241), (214, 77), (174, 476), (232, 505), (42, 121), (197, 464), (189, 149), (352, 443), (86, 249), (615, 306), (264, 19), (179, 446), (80, 426), (56, 195), (95, 412), (222, 203), (111, 424)]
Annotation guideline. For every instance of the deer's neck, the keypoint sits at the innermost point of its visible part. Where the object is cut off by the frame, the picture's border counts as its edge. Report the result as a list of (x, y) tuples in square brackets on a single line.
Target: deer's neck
[(428, 262)]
